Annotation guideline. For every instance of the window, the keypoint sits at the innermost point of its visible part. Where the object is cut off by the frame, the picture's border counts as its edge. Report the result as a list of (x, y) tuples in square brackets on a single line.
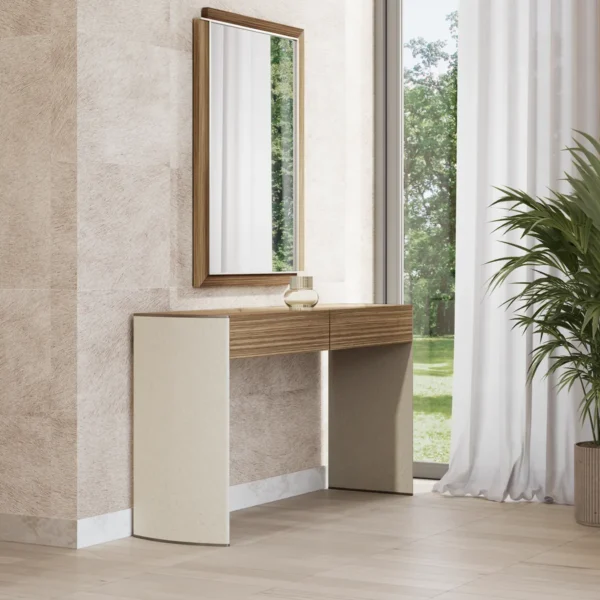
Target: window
[(430, 84)]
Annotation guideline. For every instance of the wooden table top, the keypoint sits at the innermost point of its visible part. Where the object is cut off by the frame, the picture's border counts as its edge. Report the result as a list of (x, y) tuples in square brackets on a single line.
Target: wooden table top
[(271, 330), (277, 310)]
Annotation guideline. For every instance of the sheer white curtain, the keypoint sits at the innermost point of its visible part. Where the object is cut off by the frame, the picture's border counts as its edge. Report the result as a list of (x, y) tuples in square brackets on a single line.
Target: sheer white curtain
[(240, 151), (528, 76)]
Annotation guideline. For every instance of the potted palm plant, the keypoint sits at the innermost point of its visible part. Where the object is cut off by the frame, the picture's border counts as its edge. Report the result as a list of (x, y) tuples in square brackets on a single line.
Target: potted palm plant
[(560, 241)]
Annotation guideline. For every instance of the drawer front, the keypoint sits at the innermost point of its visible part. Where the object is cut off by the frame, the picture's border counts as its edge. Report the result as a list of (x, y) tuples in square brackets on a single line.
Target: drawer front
[(372, 327), (287, 332)]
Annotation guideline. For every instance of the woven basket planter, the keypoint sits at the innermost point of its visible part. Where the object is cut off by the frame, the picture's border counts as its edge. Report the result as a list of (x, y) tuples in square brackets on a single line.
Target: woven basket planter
[(587, 484)]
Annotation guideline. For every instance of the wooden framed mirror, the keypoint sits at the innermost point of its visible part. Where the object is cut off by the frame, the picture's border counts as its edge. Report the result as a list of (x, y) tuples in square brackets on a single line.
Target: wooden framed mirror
[(248, 152)]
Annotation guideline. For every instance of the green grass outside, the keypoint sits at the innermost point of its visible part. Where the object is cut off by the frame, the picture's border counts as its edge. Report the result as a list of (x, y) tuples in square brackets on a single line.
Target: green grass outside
[(433, 368)]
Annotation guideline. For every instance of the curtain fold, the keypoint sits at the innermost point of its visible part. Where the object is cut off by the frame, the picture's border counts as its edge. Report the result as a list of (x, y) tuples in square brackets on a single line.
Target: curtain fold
[(240, 151), (528, 75)]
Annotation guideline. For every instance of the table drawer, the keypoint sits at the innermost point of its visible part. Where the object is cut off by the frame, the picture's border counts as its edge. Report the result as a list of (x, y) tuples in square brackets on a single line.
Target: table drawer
[(264, 334), (375, 327)]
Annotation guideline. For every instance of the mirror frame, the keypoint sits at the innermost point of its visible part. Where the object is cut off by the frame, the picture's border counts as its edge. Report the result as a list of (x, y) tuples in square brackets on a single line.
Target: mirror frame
[(201, 149)]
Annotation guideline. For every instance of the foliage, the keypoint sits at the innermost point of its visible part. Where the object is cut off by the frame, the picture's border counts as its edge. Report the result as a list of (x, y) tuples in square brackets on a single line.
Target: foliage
[(430, 88), (561, 304), (282, 152)]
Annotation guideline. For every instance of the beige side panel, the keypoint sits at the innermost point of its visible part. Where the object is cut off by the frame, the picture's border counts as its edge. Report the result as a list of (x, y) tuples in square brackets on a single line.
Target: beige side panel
[(181, 429), (370, 419)]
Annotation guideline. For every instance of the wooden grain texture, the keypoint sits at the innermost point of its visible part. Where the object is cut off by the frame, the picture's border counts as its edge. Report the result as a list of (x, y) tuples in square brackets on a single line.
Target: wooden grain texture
[(275, 310), (268, 334), (243, 21), (201, 150), (377, 326), (249, 279), (270, 330)]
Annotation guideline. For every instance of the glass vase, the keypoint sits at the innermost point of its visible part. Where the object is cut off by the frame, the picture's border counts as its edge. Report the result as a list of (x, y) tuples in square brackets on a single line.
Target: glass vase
[(301, 295)]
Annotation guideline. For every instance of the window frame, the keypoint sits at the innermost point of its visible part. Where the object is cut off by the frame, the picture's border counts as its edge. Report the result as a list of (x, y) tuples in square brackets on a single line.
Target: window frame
[(389, 171)]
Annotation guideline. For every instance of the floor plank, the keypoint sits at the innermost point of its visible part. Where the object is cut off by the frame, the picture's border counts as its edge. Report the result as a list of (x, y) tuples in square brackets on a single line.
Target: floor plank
[(335, 545)]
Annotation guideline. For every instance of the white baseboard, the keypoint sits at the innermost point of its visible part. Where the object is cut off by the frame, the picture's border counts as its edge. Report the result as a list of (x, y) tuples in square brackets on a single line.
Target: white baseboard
[(65, 533), (104, 528), (82, 533), (245, 495)]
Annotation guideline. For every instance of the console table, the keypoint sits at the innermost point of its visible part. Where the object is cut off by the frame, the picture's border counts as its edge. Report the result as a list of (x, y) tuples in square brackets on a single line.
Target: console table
[(181, 405)]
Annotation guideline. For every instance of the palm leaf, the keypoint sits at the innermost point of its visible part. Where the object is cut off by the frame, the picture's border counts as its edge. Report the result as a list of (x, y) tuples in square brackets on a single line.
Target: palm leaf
[(559, 300)]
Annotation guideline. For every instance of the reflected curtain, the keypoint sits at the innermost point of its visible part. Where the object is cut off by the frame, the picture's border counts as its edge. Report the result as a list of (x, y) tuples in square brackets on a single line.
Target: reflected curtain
[(240, 151), (528, 76)]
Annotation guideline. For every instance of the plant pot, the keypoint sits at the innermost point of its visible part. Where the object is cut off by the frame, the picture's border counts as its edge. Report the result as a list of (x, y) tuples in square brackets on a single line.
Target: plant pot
[(587, 484)]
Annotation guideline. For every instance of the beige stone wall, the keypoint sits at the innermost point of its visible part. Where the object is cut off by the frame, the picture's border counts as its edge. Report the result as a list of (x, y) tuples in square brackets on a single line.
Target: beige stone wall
[(275, 416), (96, 190), (38, 241)]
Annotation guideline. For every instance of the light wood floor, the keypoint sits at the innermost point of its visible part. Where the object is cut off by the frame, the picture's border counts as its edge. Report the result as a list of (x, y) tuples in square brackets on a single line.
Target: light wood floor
[(335, 546)]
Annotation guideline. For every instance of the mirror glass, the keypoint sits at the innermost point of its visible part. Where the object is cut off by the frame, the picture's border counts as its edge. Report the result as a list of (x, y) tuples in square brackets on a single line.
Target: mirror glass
[(253, 152)]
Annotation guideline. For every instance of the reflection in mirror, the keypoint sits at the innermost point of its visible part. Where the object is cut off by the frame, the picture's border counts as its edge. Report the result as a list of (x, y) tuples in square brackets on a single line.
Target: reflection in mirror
[(253, 182)]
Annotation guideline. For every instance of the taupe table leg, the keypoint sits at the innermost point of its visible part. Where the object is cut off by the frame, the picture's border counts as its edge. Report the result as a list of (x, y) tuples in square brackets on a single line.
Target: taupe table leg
[(371, 419), (181, 429)]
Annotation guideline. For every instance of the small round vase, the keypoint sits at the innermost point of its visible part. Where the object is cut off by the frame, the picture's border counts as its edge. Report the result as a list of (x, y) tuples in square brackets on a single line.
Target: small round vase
[(300, 295)]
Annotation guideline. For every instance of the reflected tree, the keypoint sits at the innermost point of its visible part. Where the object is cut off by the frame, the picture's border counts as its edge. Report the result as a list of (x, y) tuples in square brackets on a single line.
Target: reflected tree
[(282, 152)]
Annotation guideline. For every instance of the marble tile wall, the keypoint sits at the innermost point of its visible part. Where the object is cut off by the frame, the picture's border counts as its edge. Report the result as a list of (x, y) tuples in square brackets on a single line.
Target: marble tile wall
[(38, 530), (38, 276), (275, 416), (124, 205), (95, 193)]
